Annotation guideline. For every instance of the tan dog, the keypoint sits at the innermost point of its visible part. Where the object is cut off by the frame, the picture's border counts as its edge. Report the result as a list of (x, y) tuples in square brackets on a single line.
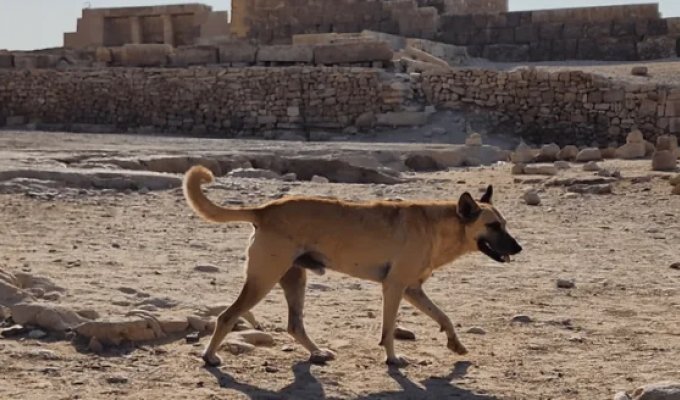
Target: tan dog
[(397, 244)]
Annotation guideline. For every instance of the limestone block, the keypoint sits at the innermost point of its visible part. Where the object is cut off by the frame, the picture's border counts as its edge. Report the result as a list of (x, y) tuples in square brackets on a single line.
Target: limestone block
[(237, 52), (341, 53), (286, 53)]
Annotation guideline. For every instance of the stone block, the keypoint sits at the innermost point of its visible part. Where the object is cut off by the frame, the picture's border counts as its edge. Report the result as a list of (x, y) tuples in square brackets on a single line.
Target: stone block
[(526, 33), (340, 53), (286, 54), (588, 49), (6, 60), (194, 55), (564, 49), (506, 52), (25, 61), (657, 27), (618, 49), (403, 118), (237, 52), (573, 31), (540, 51), (145, 55), (654, 48), (623, 28), (550, 31)]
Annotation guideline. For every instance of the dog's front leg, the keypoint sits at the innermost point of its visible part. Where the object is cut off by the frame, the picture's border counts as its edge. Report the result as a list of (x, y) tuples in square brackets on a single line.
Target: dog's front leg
[(392, 294), (417, 297)]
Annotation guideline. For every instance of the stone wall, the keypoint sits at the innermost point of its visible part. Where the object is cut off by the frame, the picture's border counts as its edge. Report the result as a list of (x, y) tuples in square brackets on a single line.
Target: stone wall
[(626, 33), (570, 107), (197, 100), (276, 21), (176, 25)]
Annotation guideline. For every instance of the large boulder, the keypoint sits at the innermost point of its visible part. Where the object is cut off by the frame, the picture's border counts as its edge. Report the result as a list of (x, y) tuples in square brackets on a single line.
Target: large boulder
[(589, 154), (664, 160)]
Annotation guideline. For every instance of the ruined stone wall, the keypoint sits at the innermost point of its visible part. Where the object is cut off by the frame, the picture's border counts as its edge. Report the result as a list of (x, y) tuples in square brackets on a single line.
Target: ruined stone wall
[(625, 33), (276, 21), (198, 100), (565, 108)]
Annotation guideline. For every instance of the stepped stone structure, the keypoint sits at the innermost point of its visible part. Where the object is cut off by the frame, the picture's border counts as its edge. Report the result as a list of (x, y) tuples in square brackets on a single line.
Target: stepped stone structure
[(176, 25)]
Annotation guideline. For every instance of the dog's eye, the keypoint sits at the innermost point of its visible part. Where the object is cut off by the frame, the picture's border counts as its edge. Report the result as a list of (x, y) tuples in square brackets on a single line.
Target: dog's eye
[(494, 225)]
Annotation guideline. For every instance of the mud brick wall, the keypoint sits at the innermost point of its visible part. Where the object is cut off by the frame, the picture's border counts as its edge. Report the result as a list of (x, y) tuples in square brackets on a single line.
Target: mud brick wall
[(198, 100), (622, 33), (568, 107)]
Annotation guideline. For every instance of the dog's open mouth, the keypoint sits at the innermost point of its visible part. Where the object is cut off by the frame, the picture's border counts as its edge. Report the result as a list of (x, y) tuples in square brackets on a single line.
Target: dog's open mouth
[(485, 247)]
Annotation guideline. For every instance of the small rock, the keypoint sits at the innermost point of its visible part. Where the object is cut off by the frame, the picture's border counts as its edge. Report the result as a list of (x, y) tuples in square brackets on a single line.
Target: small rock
[(253, 173), (566, 283), (522, 154), (475, 330), (635, 136), (664, 160), (289, 177), (609, 152), (591, 166), (144, 190), (658, 391), (253, 337), (237, 347), (589, 154), (319, 286), (370, 314), (404, 334), (522, 319), (117, 379), (562, 165), (532, 198), (676, 190), (474, 139), (287, 348), (639, 70), (37, 334), (604, 188), (319, 179), (549, 170), (192, 337), (270, 369), (576, 339), (207, 268), (52, 296), (548, 153), (675, 266), (568, 153), (675, 180), (518, 169), (44, 354), (622, 396)]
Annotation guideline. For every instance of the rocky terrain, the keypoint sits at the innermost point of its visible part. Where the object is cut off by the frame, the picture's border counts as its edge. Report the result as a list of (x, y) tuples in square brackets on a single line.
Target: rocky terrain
[(122, 278)]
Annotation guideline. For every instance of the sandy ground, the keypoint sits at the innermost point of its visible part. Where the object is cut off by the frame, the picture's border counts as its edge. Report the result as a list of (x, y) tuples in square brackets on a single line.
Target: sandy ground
[(617, 329)]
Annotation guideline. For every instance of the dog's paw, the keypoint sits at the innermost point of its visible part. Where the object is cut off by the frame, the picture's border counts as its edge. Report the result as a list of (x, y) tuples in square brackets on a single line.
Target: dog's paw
[(456, 346), (321, 356), (398, 361), (212, 360)]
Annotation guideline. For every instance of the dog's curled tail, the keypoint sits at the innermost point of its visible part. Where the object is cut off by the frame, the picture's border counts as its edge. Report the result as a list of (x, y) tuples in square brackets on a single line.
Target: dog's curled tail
[(193, 179)]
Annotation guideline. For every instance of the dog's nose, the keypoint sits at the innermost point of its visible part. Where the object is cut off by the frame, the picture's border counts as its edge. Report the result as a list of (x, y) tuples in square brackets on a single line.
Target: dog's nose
[(518, 249)]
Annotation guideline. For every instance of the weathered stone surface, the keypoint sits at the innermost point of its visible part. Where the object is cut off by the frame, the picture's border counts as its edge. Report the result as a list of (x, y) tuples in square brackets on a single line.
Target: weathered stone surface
[(664, 160), (286, 54), (344, 53), (568, 153), (237, 52), (194, 55), (658, 391), (589, 154), (146, 55), (51, 318)]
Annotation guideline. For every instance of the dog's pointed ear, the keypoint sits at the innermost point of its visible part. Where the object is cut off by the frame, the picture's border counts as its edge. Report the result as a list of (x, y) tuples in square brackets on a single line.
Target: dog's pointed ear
[(468, 209), (488, 195)]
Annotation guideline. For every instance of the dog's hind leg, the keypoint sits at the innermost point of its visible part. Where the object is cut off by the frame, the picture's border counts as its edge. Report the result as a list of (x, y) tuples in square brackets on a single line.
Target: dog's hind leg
[(268, 260), (293, 284), (418, 298), (392, 294)]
